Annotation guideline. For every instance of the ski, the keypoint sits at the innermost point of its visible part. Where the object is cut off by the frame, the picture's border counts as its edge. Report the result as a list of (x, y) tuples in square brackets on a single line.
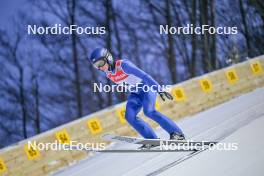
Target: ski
[(156, 145), (67, 147), (160, 142)]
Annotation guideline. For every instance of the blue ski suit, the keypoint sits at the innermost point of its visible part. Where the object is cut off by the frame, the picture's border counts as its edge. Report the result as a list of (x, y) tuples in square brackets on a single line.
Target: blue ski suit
[(127, 73)]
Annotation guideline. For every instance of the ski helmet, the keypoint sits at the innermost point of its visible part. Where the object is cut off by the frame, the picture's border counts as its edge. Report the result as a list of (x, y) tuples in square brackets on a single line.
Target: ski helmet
[(102, 54)]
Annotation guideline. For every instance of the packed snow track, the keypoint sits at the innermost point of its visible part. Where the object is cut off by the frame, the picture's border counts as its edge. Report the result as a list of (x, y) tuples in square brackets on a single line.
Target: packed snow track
[(240, 120)]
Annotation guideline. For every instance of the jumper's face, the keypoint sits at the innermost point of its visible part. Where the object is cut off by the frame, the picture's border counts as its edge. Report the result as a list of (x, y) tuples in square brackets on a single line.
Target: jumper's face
[(101, 65), (104, 68)]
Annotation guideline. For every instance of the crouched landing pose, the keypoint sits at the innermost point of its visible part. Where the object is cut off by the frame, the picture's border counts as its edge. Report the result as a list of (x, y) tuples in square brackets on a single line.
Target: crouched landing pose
[(124, 72)]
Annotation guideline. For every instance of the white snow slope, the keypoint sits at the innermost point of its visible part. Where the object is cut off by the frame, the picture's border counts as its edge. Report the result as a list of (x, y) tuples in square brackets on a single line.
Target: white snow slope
[(240, 121)]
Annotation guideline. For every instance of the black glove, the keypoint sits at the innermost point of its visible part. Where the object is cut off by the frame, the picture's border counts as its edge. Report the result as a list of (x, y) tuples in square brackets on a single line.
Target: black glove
[(165, 94)]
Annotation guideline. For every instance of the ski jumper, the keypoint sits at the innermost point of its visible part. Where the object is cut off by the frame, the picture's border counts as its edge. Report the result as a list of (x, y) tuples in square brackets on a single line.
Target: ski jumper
[(127, 73)]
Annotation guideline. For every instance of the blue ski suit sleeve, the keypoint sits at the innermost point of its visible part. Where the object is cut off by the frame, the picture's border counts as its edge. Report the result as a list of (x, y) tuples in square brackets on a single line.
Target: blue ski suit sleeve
[(130, 68)]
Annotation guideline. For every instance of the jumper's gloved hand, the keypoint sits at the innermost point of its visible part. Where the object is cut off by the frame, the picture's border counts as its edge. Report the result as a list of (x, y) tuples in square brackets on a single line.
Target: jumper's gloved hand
[(164, 95)]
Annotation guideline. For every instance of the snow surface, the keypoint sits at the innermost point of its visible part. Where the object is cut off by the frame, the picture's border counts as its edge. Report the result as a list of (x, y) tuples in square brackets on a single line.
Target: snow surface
[(240, 121)]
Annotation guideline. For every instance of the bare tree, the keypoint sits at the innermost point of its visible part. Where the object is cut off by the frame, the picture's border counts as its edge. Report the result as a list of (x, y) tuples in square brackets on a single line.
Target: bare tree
[(71, 6), (245, 27), (194, 38), (213, 48), (10, 56), (205, 37)]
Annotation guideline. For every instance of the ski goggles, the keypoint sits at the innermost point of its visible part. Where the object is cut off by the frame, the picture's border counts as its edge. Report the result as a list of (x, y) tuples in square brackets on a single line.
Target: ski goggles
[(100, 63)]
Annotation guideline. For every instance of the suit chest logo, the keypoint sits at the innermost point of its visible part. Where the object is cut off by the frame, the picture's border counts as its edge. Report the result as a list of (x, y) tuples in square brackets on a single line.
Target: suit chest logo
[(120, 75)]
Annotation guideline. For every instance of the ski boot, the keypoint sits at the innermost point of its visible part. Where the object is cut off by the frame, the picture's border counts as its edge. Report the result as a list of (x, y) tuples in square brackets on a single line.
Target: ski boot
[(176, 136), (146, 146)]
